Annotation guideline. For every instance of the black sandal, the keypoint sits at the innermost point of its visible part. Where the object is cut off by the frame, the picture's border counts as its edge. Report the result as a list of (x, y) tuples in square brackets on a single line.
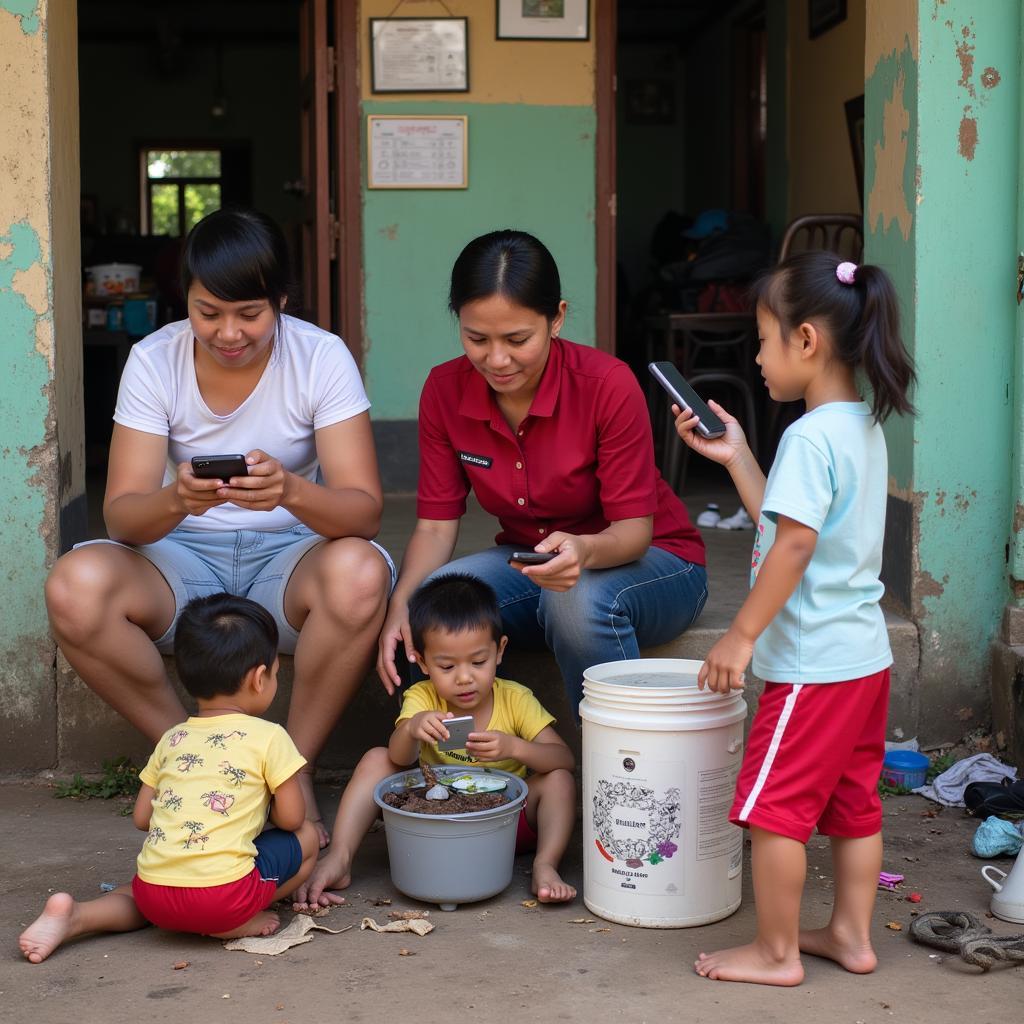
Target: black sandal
[(1000, 799)]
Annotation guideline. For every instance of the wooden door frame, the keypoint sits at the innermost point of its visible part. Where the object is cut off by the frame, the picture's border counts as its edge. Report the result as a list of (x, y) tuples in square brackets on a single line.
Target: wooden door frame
[(605, 200), (348, 241)]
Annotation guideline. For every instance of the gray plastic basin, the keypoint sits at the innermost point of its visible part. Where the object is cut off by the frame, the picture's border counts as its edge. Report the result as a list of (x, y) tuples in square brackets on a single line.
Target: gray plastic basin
[(450, 859)]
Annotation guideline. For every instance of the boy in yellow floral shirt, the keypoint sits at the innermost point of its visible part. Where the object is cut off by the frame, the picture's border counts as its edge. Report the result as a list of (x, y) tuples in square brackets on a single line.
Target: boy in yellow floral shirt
[(207, 865), (456, 630)]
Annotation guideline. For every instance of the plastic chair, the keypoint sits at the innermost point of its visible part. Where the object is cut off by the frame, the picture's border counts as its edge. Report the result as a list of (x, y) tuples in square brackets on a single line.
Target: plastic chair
[(839, 232)]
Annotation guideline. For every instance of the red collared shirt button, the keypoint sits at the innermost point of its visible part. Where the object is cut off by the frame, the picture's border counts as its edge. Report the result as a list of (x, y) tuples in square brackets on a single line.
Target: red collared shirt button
[(520, 501), (519, 465), (540, 529)]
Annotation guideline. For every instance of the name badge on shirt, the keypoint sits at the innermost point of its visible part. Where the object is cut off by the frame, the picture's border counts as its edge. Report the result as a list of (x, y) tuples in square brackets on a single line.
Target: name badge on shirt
[(476, 460)]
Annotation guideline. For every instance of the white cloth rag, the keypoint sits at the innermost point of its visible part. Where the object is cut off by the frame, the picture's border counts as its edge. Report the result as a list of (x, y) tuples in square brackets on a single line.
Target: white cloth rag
[(948, 788)]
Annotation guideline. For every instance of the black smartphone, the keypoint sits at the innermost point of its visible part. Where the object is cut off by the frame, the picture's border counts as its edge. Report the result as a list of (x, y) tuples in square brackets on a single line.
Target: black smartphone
[(219, 467), (532, 557), (458, 733), (685, 397)]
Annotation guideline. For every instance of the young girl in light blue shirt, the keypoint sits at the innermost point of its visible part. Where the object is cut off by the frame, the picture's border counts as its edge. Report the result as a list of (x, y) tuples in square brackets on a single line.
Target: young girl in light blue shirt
[(812, 620)]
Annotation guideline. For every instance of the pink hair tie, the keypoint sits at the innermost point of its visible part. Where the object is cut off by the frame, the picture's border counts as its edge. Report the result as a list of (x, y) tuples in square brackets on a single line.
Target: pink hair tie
[(846, 271)]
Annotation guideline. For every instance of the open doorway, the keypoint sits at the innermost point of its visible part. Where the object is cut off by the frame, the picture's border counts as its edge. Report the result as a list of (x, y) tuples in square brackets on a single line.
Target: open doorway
[(187, 106), (732, 118)]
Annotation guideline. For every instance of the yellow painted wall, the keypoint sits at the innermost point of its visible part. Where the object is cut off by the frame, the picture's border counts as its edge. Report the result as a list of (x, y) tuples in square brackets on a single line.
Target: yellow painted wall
[(823, 74), (545, 73)]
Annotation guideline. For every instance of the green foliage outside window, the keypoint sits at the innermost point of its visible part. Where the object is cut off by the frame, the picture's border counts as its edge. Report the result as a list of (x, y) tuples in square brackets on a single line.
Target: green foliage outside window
[(176, 202)]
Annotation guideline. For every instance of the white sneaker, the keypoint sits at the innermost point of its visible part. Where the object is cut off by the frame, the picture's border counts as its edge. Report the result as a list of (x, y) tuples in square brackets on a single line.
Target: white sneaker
[(740, 521), (711, 516)]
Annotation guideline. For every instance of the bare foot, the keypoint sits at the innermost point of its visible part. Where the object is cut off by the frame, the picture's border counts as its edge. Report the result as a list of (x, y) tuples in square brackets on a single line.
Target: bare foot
[(313, 815), (548, 886), (49, 929), (749, 963), (331, 872), (856, 956), (263, 923)]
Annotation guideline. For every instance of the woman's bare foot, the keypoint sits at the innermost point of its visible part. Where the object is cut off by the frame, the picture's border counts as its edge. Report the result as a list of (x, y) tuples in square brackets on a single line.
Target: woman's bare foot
[(263, 923), (51, 928), (313, 815), (749, 963), (331, 872), (856, 956), (548, 886)]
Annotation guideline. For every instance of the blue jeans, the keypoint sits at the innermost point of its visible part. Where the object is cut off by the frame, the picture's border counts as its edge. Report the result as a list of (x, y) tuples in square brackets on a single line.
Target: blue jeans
[(608, 616)]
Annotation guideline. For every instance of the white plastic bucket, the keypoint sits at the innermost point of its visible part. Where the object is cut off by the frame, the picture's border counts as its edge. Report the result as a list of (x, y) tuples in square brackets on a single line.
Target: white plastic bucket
[(660, 760)]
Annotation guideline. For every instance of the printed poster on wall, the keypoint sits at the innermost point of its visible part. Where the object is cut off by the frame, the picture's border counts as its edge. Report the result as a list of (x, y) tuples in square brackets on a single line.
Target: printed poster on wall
[(417, 151)]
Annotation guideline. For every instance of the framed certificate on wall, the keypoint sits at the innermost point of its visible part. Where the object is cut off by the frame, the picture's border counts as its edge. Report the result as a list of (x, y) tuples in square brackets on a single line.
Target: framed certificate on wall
[(417, 151), (419, 55)]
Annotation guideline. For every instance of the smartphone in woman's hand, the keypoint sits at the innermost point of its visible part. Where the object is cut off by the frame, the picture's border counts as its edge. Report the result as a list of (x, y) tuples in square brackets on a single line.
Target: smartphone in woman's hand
[(219, 467)]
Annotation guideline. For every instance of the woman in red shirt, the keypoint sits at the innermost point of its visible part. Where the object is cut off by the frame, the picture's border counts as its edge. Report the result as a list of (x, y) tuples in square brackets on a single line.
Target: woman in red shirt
[(555, 441)]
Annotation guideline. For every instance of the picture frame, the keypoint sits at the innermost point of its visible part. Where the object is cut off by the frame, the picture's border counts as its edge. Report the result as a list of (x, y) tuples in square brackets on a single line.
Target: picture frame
[(417, 151), (409, 55), (823, 15), (855, 131), (561, 20)]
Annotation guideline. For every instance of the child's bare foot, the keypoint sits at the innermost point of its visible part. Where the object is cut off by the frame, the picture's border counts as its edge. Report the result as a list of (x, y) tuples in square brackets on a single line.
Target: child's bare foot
[(548, 886), (49, 929), (749, 963), (263, 923), (331, 872), (856, 956), (313, 815)]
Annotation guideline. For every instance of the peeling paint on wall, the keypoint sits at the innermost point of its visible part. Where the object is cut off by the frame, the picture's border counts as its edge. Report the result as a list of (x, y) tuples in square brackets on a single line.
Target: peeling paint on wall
[(965, 46), (26, 11), (887, 201), (967, 140)]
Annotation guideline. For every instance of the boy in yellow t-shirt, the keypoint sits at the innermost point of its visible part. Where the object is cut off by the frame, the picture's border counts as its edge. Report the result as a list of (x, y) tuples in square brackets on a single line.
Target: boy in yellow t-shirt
[(456, 630), (207, 865)]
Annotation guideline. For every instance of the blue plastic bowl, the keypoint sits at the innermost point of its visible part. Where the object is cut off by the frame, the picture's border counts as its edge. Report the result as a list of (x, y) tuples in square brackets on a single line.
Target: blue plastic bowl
[(906, 768)]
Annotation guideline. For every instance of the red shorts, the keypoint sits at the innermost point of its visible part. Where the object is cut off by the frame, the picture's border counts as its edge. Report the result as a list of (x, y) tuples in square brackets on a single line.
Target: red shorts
[(212, 909), (526, 837), (206, 910), (814, 758)]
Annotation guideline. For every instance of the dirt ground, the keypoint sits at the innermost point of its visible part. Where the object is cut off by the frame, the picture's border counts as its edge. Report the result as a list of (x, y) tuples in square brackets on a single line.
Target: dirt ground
[(492, 961)]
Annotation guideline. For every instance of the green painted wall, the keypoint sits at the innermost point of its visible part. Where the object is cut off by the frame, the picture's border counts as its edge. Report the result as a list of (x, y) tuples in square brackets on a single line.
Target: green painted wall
[(530, 167), (943, 173)]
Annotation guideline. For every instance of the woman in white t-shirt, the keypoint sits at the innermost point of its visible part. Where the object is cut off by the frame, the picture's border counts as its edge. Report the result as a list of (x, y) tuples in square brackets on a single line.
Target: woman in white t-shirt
[(295, 533)]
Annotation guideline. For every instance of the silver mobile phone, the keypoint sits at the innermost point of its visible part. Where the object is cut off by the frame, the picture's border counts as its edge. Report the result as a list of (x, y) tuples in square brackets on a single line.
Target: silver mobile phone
[(458, 733), (685, 397)]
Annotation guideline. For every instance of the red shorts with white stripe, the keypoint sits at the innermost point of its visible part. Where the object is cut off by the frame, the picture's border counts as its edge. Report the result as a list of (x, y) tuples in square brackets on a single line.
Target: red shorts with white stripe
[(813, 759)]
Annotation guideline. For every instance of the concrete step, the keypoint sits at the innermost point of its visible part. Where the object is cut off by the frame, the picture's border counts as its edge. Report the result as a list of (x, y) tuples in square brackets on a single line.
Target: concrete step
[(89, 731)]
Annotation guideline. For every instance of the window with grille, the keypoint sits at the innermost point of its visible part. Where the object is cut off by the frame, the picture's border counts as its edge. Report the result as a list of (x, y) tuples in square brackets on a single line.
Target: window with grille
[(180, 187)]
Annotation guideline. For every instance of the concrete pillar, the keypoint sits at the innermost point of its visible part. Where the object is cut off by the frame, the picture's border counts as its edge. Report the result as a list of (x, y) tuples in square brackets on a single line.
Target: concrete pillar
[(42, 460), (941, 141)]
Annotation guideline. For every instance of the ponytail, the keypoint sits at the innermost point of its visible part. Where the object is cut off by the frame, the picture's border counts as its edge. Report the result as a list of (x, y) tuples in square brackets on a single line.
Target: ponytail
[(858, 308), (886, 363)]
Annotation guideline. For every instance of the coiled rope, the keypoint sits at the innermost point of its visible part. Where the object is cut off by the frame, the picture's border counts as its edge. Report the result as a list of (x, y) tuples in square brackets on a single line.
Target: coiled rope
[(963, 934)]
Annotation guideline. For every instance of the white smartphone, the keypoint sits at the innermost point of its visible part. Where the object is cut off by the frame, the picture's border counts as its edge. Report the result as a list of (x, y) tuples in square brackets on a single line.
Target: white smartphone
[(458, 733)]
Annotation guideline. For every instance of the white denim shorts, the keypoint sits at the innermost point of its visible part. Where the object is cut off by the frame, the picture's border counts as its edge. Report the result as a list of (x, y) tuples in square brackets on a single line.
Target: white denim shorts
[(250, 563)]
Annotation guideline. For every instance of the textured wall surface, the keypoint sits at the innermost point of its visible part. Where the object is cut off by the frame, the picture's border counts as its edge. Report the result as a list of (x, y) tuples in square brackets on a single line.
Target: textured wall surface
[(41, 465), (531, 166), (943, 83)]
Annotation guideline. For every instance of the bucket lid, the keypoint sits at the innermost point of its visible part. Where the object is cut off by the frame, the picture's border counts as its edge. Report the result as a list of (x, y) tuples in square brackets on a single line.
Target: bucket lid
[(662, 691)]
